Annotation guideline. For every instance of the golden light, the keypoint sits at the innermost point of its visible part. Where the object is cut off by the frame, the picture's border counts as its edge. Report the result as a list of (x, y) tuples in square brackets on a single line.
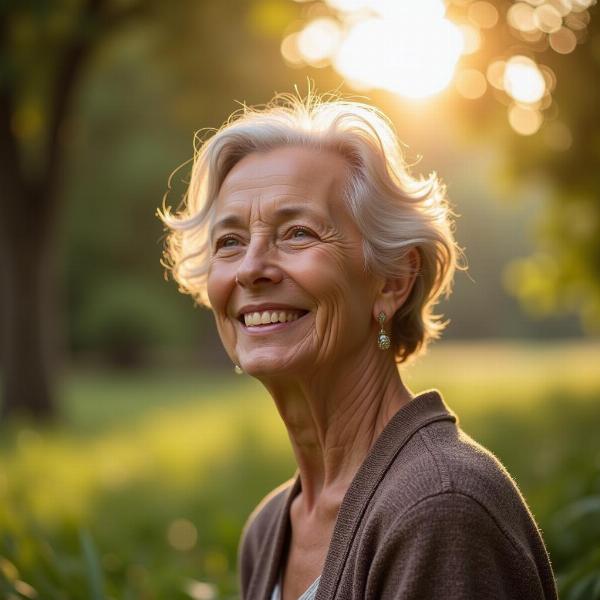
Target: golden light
[(433, 10), (471, 39), (290, 51), (521, 17), (547, 18), (348, 5), (563, 41), (563, 7), (531, 36), (581, 5), (549, 77), (483, 14), (470, 83), (495, 74), (524, 120), (523, 80), (578, 21), (318, 41), (410, 49)]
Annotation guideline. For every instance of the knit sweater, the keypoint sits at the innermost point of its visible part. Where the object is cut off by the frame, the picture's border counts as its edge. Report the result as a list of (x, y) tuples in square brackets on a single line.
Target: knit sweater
[(429, 514)]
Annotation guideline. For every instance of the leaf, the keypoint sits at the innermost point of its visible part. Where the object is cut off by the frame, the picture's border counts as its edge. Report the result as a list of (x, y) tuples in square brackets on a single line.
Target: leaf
[(93, 569)]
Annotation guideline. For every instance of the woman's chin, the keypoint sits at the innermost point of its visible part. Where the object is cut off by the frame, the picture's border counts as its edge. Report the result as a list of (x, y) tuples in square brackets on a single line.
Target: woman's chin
[(267, 365)]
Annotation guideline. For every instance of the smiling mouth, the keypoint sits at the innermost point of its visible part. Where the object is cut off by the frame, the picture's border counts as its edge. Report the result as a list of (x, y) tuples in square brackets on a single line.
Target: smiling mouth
[(257, 320)]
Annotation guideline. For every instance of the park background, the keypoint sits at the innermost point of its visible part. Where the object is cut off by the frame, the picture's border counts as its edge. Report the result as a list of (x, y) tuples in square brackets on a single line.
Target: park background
[(130, 452)]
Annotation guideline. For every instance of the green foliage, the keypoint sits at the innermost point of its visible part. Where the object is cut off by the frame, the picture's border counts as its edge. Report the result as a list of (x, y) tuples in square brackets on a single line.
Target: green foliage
[(93, 567), (144, 492), (126, 316)]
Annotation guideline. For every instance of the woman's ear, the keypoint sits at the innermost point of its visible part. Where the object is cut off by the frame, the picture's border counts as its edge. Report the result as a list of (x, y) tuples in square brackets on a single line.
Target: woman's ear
[(395, 290)]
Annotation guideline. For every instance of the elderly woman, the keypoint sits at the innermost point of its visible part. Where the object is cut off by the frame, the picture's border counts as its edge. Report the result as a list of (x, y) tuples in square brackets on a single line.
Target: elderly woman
[(322, 259)]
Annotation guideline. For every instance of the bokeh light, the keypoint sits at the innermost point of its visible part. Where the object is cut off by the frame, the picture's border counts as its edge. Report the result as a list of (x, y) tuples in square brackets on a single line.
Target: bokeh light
[(483, 14), (581, 5), (471, 38), (563, 41), (348, 5), (471, 83), (549, 77), (577, 21), (414, 50), (318, 41), (547, 18), (521, 17), (201, 590), (495, 74), (557, 136), (563, 7), (524, 120), (523, 80), (182, 534), (290, 50)]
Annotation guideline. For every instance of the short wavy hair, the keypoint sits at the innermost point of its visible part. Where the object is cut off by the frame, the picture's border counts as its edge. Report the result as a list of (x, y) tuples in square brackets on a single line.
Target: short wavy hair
[(394, 210)]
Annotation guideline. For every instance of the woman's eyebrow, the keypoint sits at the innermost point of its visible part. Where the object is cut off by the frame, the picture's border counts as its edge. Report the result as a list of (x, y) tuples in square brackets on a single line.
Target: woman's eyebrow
[(284, 212), (228, 221), (291, 212)]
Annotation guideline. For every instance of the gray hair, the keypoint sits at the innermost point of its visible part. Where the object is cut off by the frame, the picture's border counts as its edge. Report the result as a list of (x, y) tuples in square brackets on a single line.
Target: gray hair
[(393, 210)]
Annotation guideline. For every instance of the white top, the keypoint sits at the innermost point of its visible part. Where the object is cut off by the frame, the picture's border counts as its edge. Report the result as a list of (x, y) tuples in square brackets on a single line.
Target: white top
[(309, 594)]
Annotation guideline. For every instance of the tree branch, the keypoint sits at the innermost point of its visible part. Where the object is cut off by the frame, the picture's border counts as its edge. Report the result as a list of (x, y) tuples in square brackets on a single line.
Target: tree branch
[(93, 24)]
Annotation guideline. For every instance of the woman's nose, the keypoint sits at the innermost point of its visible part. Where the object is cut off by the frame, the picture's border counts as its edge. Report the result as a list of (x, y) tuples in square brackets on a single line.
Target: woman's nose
[(258, 267)]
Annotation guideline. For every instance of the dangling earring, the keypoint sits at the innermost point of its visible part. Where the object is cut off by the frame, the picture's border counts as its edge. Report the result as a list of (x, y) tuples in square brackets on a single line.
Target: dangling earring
[(383, 339), (238, 370)]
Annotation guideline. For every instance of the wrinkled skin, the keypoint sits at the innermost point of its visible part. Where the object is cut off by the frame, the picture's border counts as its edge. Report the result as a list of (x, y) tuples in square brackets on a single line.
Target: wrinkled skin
[(319, 268), (334, 388)]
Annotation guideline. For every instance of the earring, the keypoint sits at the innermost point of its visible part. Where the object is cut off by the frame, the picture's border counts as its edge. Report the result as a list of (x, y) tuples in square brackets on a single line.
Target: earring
[(238, 370), (383, 339)]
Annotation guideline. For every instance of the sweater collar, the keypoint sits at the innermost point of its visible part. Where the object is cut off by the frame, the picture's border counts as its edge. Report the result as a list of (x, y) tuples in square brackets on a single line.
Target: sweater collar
[(423, 409)]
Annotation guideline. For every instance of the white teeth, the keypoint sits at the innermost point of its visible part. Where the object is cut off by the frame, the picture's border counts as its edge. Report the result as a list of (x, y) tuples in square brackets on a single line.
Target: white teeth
[(267, 317)]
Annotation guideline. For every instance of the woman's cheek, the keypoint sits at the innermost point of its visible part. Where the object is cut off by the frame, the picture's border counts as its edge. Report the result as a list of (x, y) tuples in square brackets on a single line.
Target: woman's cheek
[(219, 284)]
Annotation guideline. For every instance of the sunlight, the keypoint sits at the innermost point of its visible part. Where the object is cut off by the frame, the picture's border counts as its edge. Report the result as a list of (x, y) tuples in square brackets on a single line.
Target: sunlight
[(415, 51), (523, 80), (407, 48)]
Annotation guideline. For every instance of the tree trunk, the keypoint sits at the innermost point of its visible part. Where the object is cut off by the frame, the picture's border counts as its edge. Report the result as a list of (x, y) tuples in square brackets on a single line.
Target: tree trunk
[(29, 349)]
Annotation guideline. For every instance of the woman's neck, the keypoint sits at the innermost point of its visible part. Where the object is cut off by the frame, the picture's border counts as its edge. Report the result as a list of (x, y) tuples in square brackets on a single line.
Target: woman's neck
[(334, 417)]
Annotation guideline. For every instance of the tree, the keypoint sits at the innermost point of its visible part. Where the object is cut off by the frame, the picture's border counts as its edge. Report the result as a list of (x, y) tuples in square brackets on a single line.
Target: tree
[(214, 50), (44, 50)]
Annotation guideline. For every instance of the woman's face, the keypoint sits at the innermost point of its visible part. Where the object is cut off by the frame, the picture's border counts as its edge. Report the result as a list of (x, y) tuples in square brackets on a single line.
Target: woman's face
[(286, 280)]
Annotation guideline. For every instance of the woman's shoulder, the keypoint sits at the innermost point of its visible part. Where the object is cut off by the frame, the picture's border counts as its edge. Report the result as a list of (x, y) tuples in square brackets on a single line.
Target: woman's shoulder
[(442, 465), (267, 511), (444, 490), (260, 528)]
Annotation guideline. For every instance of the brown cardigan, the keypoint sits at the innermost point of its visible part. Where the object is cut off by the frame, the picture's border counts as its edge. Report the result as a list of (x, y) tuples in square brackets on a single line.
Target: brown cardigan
[(430, 514)]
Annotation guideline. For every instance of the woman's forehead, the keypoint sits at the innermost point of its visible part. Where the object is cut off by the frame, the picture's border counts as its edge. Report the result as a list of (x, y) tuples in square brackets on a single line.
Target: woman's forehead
[(284, 176)]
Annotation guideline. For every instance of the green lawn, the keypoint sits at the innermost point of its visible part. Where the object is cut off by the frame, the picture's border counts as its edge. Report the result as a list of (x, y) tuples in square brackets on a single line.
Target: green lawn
[(143, 491)]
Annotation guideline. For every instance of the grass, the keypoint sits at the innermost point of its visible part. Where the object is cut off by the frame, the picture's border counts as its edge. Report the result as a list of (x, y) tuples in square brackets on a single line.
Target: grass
[(143, 491)]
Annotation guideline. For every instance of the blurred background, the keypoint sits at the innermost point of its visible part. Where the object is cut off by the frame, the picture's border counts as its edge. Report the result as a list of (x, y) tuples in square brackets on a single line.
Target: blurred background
[(130, 453)]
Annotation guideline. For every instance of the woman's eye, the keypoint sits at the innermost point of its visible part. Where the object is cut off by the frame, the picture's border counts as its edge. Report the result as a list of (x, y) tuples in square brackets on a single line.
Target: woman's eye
[(227, 242), (300, 233)]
